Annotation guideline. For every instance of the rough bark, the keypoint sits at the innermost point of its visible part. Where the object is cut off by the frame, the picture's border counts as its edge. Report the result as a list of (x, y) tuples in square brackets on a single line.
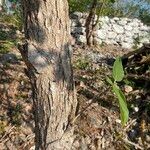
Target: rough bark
[(46, 54), (90, 23)]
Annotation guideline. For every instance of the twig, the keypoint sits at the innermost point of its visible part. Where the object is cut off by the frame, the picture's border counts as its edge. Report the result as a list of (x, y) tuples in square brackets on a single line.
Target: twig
[(6, 133), (134, 144), (131, 123)]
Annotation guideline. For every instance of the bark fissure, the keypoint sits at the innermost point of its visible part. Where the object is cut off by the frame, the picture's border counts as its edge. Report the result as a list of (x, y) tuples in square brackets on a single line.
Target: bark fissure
[(49, 69)]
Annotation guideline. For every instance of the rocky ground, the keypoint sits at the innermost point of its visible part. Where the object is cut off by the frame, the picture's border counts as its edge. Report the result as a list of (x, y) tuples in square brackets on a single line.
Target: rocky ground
[(97, 122)]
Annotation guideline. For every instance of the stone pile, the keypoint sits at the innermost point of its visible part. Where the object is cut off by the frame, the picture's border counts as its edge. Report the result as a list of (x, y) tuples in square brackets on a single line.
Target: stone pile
[(123, 32)]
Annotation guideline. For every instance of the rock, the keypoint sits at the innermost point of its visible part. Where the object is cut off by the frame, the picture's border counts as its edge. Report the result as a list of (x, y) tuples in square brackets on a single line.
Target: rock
[(97, 41), (76, 15), (126, 45), (101, 34), (112, 35), (81, 39), (116, 18), (74, 23), (122, 31), (128, 34), (111, 41), (82, 22), (133, 24), (144, 40), (136, 31), (122, 22), (32, 148), (128, 40), (128, 28), (145, 28), (95, 58), (104, 19), (78, 30), (119, 38), (148, 138), (105, 27), (118, 28), (118, 121), (9, 58), (128, 88), (112, 21)]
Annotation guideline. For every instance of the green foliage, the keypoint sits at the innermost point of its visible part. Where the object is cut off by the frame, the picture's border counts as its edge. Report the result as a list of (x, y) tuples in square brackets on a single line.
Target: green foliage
[(2, 127), (118, 75), (103, 6), (15, 115), (15, 19), (115, 8), (5, 47), (82, 64), (79, 5), (124, 113), (118, 72)]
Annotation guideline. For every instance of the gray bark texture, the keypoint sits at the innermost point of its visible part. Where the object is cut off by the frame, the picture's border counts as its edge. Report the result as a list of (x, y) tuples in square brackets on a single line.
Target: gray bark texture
[(46, 54)]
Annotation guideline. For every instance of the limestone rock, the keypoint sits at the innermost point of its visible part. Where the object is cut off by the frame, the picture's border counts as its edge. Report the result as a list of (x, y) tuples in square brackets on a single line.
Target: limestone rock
[(128, 27), (81, 39), (101, 34), (118, 28)]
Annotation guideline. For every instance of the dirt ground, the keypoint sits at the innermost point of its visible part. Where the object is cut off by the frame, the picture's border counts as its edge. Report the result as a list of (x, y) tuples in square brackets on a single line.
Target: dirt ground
[(97, 122)]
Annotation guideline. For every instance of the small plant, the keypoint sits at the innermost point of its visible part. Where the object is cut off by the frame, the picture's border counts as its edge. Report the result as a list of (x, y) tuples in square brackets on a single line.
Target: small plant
[(82, 64), (15, 113), (117, 76)]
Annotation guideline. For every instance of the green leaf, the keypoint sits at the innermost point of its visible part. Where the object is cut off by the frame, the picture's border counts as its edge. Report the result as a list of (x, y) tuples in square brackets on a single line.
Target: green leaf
[(124, 112), (118, 72), (109, 80)]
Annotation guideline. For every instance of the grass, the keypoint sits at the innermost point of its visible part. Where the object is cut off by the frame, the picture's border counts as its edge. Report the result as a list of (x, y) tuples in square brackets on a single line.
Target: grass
[(8, 26)]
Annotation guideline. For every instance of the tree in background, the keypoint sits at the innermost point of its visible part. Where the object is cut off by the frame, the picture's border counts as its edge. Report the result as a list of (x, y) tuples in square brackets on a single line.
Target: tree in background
[(120, 8), (98, 8), (47, 56)]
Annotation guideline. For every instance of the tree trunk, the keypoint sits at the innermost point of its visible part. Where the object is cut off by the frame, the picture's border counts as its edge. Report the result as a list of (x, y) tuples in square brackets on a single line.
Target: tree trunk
[(90, 23), (47, 56)]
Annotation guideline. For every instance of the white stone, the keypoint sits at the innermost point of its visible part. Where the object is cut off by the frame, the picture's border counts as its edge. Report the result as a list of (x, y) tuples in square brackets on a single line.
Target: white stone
[(128, 40), (97, 41), (118, 121), (106, 27), (144, 40), (120, 38), (135, 30), (73, 23), (128, 34), (136, 20), (116, 18), (112, 35), (110, 41), (101, 34), (136, 109), (118, 29), (82, 22), (104, 19), (144, 28), (144, 34), (128, 28), (81, 39), (78, 14), (133, 24), (126, 45), (78, 30), (129, 20), (141, 24), (122, 22), (112, 21)]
